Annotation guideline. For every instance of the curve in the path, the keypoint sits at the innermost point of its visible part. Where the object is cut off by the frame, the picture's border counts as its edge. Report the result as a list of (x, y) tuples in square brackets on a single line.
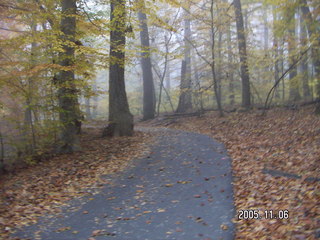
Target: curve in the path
[(182, 191)]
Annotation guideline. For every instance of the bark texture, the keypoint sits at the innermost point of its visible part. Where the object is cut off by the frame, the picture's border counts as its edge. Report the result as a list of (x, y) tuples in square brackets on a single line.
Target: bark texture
[(246, 96), (185, 98), (314, 36), (148, 85), (67, 94), (275, 54), (294, 94), (304, 62), (120, 118), (230, 68)]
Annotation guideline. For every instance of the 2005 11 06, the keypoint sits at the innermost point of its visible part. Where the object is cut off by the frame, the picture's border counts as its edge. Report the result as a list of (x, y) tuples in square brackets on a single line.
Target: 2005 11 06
[(266, 214)]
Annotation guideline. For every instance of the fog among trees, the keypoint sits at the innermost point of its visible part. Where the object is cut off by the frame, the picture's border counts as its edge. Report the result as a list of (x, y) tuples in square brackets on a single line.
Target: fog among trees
[(66, 62)]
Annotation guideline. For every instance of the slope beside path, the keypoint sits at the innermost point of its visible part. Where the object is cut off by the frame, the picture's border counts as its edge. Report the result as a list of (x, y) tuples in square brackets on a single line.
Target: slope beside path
[(182, 190)]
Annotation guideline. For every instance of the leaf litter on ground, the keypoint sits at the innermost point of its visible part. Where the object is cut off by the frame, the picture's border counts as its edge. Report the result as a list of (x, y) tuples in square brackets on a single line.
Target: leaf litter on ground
[(285, 140), (45, 187)]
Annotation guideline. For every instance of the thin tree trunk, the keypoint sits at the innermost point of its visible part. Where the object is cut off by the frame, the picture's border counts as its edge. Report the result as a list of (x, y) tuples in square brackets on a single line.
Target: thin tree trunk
[(163, 75), (213, 62), (30, 138), (294, 94), (219, 66), (276, 54), (246, 97), (88, 108), (120, 118), (168, 78), (148, 85), (94, 111), (281, 63), (198, 93), (265, 30), (304, 63), (230, 67), (265, 74), (161, 78), (67, 94)]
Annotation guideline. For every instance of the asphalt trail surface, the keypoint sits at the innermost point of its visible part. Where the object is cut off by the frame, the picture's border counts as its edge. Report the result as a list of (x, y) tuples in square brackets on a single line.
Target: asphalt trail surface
[(181, 191)]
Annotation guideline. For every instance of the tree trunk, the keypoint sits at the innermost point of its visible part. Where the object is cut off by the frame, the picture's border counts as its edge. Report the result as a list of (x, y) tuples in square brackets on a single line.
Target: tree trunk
[(304, 63), (276, 54), (246, 97), (294, 94), (219, 66), (168, 78), (185, 101), (311, 25), (230, 68), (198, 93), (88, 108), (67, 94), (148, 85), (213, 61), (120, 118), (94, 108), (281, 63), (266, 70), (2, 167), (29, 130), (265, 30)]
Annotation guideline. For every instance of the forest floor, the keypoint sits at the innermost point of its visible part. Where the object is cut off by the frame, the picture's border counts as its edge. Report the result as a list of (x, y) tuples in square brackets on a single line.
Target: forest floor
[(276, 166), (175, 192), (276, 163), (47, 186)]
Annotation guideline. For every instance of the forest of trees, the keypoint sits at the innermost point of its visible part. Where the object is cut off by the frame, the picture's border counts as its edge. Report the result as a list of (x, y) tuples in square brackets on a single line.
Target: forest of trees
[(69, 61)]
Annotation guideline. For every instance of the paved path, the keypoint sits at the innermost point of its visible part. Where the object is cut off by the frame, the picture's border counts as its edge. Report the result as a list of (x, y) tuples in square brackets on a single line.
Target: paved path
[(182, 191)]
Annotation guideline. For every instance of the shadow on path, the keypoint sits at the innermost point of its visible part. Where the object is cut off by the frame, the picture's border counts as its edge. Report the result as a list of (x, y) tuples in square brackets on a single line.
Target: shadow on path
[(182, 191)]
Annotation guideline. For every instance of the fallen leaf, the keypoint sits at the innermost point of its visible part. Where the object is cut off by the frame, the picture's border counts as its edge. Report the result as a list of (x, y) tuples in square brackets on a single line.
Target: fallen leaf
[(168, 185), (224, 227), (96, 233)]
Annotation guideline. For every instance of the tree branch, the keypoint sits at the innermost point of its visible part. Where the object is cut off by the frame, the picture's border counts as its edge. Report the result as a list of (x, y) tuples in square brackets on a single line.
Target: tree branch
[(12, 30), (279, 79)]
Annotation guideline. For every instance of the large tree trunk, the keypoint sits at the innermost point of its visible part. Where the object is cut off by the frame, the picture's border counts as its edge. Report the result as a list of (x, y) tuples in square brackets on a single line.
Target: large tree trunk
[(67, 94), (148, 85), (246, 97), (304, 62), (120, 118), (185, 101), (311, 25)]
